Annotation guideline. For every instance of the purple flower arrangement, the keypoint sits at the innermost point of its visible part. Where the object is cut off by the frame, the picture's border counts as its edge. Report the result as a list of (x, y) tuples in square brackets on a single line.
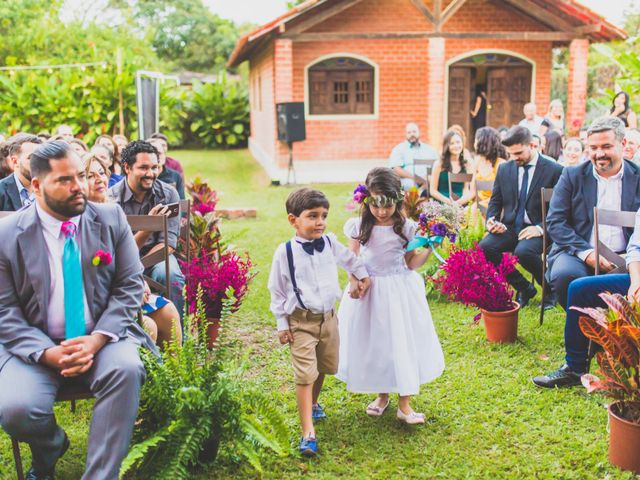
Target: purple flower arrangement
[(469, 278), (360, 194), (440, 220)]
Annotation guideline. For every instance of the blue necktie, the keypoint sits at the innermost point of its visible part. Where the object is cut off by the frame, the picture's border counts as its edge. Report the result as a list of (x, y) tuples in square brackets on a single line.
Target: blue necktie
[(522, 199), (309, 247), (24, 197), (74, 325)]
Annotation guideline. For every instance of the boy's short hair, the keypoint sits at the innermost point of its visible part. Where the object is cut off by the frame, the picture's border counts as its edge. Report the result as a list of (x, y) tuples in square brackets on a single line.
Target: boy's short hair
[(305, 199)]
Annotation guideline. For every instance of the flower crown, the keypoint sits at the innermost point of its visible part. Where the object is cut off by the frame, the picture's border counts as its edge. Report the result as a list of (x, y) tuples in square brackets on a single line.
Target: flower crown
[(362, 195)]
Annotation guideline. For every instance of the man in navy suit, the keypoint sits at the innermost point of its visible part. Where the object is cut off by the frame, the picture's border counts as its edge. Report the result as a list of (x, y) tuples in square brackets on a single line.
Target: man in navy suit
[(516, 201), (608, 182), (15, 190)]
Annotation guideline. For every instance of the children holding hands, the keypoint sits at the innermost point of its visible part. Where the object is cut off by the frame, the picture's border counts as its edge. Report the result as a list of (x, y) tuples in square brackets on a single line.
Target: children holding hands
[(304, 289)]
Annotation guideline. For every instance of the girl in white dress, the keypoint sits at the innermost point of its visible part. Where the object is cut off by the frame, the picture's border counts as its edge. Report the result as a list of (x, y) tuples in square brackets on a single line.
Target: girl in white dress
[(387, 340)]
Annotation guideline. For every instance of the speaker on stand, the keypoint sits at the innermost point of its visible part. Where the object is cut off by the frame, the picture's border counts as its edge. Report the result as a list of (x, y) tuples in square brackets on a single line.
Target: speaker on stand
[(291, 128)]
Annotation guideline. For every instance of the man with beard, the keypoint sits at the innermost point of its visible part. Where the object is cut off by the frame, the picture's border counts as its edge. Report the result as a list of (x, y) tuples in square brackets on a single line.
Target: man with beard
[(515, 211), (15, 190), (404, 154), (631, 145), (64, 320), (138, 195), (607, 182)]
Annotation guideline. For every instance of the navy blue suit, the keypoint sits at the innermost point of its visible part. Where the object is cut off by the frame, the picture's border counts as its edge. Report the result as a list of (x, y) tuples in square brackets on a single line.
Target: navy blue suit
[(570, 221), (9, 196), (503, 206)]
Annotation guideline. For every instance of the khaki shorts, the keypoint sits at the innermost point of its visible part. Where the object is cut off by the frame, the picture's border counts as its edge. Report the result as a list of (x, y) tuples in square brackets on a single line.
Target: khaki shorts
[(315, 344)]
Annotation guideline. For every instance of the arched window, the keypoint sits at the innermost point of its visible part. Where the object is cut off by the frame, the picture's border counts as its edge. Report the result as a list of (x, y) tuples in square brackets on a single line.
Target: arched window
[(341, 86)]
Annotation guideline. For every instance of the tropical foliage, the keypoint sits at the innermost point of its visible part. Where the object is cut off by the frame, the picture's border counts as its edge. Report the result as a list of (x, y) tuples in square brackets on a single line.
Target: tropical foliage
[(617, 331)]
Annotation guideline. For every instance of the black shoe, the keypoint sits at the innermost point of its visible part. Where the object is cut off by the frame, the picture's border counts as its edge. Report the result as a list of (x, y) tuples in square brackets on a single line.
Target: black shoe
[(33, 475), (550, 301), (563, 377), (523, 296)]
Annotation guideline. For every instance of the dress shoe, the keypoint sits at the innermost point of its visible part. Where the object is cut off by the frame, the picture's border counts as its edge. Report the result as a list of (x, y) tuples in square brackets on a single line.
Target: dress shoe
[(550, 301), (562, 377), (523, 296), (32, 474)]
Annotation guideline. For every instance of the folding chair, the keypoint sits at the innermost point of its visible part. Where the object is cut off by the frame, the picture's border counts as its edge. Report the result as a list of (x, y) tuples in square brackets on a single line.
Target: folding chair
[(424, 162), (482, 185), (458, 178), (612, 218), (545, 195), (68, 393), (154, 223)]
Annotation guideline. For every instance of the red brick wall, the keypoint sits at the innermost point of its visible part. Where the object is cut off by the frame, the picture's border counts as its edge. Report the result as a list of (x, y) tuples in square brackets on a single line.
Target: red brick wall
[(409, 89), (577, 91), (263, 127)]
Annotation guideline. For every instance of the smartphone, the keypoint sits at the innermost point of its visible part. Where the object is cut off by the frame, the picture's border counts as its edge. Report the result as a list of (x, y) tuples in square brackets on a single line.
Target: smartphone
[(173, 209)]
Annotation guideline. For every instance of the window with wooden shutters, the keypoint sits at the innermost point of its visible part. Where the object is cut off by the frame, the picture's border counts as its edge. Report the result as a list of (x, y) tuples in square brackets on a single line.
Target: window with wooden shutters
[(342, 86)]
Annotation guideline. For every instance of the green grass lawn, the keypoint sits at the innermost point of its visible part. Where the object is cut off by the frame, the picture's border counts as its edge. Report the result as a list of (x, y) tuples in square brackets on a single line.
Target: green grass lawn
[(485, 418)]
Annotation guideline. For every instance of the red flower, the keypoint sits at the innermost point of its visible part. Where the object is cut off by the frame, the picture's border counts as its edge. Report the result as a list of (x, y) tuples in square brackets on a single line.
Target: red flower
[(101, 258)]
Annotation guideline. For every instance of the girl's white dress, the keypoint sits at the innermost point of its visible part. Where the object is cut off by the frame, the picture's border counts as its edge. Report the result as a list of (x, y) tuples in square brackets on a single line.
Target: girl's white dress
[(387, 340)]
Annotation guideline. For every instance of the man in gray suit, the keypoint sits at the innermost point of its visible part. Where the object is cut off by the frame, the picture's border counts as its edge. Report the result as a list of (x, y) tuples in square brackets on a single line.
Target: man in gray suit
[(39, 260)]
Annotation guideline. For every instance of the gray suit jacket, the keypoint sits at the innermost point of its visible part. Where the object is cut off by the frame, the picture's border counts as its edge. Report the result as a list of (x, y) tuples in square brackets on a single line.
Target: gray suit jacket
[(10, 200), (114, 292)]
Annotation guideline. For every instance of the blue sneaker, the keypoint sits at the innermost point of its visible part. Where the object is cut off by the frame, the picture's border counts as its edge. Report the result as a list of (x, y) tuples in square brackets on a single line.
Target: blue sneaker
[(317, 413), (308, 446)]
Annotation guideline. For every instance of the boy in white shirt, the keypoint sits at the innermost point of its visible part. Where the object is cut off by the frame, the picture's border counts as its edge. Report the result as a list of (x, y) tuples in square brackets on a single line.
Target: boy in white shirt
[(304, 289)]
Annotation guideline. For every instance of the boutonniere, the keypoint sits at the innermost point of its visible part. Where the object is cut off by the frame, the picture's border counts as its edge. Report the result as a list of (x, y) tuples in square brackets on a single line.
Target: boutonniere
[(101, 258)]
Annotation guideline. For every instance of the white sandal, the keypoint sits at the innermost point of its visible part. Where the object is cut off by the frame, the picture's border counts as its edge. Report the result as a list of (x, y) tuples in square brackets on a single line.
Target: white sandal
[(413, 418), (373, 410)]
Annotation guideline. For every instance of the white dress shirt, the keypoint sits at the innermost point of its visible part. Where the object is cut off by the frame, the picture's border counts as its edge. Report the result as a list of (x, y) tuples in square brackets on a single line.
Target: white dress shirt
[(21, 187), (633, 249), (54, 240), (609, 198), (405, 154), (532, 169), (316, 276)]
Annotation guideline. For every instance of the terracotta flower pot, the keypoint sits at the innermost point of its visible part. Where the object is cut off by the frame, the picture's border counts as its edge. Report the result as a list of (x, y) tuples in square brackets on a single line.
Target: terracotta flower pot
[(624, 441), (213, 328), (501, 327)]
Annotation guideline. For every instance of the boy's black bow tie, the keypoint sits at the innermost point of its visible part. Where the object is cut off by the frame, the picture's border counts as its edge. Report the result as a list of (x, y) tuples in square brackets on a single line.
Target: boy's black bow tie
[(309, 247)]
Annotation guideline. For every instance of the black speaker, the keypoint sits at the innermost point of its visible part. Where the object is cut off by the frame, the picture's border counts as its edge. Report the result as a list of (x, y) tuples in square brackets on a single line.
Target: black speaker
[(291, 122)]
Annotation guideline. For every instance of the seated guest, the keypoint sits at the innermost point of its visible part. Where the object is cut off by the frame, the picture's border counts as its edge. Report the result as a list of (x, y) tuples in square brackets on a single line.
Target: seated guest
[(537, 143), (65, 321), (489, 156), (517, 202), (554, 120), (5, 168), (172, 163), (15, 190), (621, 109), (572, 153), (607, 181), (553, 144), (44, 136), (403, 155), (460, 131), (162, 312), (79, 146), (65, 132), (531, 120), (167, 175), (631, 145), (138, 194), (451, 161), (584, 292), (106, 155), (121, 141)]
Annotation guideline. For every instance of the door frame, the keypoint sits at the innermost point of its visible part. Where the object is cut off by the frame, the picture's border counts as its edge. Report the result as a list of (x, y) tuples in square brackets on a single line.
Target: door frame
[(480, 51)]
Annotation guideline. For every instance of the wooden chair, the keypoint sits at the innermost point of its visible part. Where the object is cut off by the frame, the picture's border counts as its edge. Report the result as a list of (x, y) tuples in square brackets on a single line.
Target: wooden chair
[(154, 223), (458, 178), (612, 218), (424, 162), (482, 185), (545, 195), (68, 393), (185, 229)]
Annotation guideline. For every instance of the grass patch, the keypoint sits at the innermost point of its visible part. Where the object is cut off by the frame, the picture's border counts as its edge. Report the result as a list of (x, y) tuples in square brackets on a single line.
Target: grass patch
[(485, 418)]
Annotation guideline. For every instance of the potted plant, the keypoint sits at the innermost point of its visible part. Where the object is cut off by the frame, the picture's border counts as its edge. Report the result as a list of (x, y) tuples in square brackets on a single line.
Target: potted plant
[(617, 331), (194, 401), (469, 278)]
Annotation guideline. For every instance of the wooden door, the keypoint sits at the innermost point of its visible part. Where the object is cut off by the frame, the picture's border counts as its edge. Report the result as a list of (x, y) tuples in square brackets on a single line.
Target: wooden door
[(498, 98), (508, 89), (460, 97)]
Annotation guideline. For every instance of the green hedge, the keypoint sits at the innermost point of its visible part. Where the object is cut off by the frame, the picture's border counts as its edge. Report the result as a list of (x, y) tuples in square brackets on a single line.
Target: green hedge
[(204, 115)]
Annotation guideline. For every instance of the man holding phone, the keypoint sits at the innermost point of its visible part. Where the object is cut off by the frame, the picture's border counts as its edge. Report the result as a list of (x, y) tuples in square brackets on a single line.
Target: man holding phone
[(143, 194), (516, 197)]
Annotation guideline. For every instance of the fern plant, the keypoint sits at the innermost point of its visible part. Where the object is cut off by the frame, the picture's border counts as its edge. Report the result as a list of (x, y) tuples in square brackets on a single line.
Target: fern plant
[(194, 399)]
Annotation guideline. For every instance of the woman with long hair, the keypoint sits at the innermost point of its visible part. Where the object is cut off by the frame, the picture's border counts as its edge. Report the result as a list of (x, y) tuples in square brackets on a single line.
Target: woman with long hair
[(490, 154), (620, 108), (108, 142), (554, 120), (553, 144), (451, 161)]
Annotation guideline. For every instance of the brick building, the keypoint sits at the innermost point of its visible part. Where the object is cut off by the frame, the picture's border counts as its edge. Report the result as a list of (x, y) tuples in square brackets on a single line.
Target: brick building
[(364, 68)]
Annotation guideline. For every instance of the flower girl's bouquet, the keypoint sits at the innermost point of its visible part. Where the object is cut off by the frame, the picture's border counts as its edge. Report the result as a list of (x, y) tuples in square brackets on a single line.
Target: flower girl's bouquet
[(436, 222)]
